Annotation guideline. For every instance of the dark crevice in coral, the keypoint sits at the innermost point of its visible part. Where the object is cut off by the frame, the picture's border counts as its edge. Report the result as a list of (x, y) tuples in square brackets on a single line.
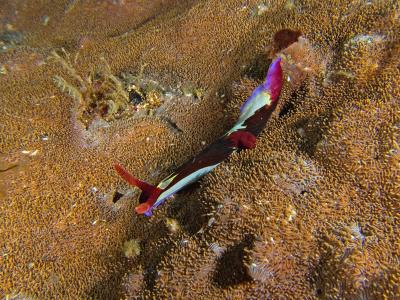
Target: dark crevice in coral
[(9, 168), (167, 13), (135, 97), (102, 291), (171, 124), (135, 28), (286, 109), (10, 40), (314, 130), (150, 270), (257, 68), (185, 206), (155, 243), (117, 195), (296, 96), (230, 269), (150, 276)]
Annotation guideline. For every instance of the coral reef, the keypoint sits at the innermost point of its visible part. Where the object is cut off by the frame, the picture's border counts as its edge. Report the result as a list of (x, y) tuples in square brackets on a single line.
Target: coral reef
[(311, 213)]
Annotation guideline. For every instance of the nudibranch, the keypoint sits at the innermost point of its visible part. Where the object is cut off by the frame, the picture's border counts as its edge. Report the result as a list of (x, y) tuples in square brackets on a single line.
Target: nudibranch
[(254, 115)]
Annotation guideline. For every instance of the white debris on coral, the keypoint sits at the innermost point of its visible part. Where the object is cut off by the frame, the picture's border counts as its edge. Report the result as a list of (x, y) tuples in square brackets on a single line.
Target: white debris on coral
[(356, 233), (260, 271), (211, 222), (366, 39), (261, 9), (30, 152), (218, 250), (291, 213)]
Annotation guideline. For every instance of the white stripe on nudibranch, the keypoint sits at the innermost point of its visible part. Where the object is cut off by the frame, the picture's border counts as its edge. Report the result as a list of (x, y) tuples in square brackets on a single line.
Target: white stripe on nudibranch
[(184, 182), (259, 100), (166, 181)]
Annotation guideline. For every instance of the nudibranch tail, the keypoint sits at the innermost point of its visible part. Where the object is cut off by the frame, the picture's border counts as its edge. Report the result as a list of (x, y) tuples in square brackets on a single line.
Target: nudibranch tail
[(149, 194), (143, 208), (144, 186)]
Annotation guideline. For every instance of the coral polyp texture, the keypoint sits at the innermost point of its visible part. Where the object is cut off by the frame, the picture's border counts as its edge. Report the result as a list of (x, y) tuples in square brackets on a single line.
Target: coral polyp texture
[(312, 212)]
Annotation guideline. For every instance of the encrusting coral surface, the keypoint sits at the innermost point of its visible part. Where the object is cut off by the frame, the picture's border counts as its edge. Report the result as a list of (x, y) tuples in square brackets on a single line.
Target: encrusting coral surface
[(311, 213)]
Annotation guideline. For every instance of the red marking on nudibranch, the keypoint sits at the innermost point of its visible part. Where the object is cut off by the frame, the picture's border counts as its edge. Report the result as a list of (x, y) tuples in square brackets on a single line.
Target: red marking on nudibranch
[(243, 139)]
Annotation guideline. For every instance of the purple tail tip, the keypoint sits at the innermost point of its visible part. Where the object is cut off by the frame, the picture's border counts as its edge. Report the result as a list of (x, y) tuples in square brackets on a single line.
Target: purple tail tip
[(149, 213)]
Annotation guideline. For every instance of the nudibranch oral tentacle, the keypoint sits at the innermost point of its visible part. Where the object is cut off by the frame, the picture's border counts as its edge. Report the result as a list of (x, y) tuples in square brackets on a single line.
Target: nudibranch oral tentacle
[(254, 115)]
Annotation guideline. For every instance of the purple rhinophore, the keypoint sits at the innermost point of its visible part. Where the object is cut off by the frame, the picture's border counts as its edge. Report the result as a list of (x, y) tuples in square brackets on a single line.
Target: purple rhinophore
[(273, 83), (274, 79)]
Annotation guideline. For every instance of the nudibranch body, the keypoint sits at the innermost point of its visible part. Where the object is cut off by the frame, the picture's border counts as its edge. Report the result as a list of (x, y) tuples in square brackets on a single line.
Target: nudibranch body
[(254, 114), (256, 110)]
